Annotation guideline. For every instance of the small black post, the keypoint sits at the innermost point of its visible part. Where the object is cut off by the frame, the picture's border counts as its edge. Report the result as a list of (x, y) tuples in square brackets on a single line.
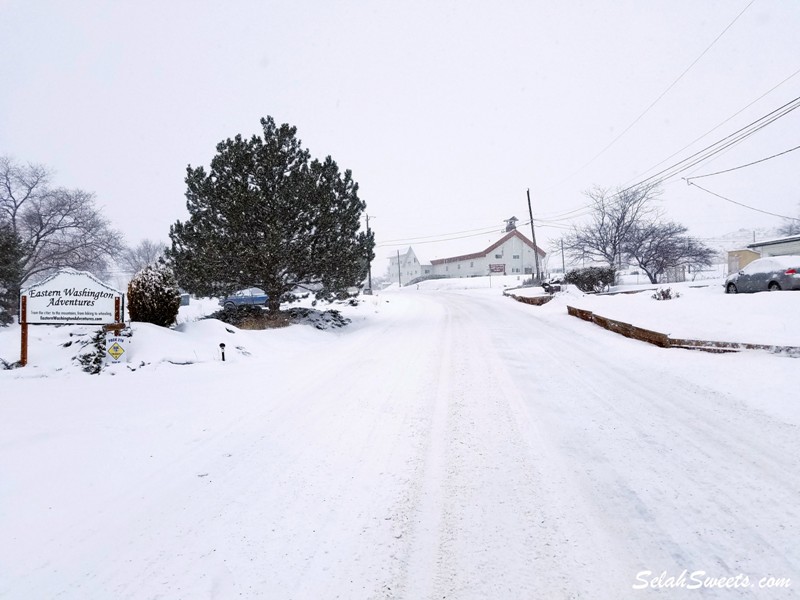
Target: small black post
[(222, 349)]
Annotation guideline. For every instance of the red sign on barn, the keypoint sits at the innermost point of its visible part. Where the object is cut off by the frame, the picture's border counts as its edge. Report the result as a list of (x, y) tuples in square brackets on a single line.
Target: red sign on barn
[(501, 268)]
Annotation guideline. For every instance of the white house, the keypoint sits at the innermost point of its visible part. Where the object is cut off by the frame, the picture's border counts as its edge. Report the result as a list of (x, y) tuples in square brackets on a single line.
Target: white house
[(405, 267), (512, 253)]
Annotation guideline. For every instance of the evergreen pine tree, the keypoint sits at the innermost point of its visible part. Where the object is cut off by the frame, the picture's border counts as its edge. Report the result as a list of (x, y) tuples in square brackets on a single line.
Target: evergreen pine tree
[(267, 215), (11, 255)]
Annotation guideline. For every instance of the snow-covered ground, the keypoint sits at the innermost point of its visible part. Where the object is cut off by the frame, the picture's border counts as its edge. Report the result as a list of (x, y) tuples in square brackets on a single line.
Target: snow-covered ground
[(447, 444), (699, 310)]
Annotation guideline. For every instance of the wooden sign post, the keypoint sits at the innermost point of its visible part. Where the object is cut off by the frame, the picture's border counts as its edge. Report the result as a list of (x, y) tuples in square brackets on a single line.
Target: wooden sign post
[(23, 321)]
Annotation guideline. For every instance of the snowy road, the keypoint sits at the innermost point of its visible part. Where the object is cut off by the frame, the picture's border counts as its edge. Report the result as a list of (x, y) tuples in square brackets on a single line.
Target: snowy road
[(454, 445)]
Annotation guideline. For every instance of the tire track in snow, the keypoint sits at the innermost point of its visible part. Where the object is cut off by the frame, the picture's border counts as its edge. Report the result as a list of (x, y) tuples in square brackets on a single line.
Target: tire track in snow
[(487, 523), (422, 557), (685, 475)]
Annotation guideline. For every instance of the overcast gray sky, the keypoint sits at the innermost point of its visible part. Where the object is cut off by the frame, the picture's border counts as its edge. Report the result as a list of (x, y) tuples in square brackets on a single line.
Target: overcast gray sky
[(445, 111)]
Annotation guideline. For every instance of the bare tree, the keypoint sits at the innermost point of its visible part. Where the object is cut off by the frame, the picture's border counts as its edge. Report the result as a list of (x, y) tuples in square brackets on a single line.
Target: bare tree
[(656, 247), (58, 227), (612, 219), (790, 227), (135, 258)]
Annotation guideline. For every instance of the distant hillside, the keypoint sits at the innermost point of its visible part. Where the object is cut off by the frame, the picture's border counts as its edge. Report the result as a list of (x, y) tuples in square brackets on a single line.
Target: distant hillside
[(736, 240)]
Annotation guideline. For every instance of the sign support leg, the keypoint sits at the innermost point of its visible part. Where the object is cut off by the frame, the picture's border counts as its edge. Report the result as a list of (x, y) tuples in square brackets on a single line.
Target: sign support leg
[(23, 318)]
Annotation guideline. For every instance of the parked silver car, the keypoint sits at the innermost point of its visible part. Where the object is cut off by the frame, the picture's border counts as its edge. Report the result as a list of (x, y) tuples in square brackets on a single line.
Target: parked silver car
[(773, 273)]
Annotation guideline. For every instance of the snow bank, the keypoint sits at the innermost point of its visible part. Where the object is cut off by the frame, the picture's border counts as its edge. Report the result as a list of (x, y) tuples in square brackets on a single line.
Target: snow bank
[(702, 313), (194, 340)]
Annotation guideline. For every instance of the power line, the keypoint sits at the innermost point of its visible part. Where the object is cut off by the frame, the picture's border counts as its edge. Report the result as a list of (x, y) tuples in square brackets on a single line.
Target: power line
[(658, 99), (671, 85), (683, 165), (706, 153), (713, 129), (442, 237), (755, 162), (740, 204), (445, 237), (436, 241), (401, 241), (718, 146)]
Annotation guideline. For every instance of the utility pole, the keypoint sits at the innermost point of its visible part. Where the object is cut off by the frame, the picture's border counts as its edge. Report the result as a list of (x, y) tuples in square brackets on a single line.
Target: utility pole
[(533, 235), (563, 264), (369, 267), (399, 275)]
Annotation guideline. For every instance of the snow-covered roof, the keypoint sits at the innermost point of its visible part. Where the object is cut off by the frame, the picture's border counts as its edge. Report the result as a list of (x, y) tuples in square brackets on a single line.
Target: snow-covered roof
[(422, 258), (783, 240), (497, 244), (403, 253)]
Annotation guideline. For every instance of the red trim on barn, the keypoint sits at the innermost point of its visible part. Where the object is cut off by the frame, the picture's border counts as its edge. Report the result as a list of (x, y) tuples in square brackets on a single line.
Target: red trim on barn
[(497, 244)]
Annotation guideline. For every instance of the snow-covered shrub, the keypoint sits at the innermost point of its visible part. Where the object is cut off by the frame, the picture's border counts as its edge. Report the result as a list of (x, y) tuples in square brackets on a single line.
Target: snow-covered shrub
[(93, 358), (665, 294), (248, 316), (591, 279), (153, 295), (255, 317)]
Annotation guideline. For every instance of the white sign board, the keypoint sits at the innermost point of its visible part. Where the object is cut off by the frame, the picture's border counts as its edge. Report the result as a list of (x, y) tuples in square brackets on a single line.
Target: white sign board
[(70, 297)]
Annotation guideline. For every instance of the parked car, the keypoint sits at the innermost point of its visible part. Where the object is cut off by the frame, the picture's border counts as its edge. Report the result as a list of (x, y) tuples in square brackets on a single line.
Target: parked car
[(772, 273), (250, 296)]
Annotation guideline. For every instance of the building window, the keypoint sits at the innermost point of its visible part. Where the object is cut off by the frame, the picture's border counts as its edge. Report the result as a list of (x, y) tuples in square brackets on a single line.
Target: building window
[(459, 265), (515, 256), (472, 264), (498, 256)]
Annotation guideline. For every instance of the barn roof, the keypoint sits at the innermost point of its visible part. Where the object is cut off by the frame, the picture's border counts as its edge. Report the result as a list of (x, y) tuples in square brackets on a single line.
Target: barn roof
[(497, 244)]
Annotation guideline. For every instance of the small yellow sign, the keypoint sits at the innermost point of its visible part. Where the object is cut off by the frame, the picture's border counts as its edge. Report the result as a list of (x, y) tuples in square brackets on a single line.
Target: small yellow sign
[(116, 350)]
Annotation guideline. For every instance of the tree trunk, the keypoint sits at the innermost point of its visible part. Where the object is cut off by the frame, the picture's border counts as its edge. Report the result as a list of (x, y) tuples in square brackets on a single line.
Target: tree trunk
[(274, 302)]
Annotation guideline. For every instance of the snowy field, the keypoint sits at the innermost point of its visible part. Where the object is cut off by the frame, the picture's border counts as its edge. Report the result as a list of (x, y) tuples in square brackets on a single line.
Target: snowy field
[(449, 443)]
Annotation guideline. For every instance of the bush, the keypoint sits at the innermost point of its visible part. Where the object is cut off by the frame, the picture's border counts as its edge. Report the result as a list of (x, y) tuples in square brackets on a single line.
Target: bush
[(591, 279), (255, 317), (665, 294), (153, 296), (247, 316)]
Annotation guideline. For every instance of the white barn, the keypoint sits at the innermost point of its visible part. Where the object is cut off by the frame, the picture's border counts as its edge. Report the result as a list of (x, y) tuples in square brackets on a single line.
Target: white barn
[(513, 253)]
